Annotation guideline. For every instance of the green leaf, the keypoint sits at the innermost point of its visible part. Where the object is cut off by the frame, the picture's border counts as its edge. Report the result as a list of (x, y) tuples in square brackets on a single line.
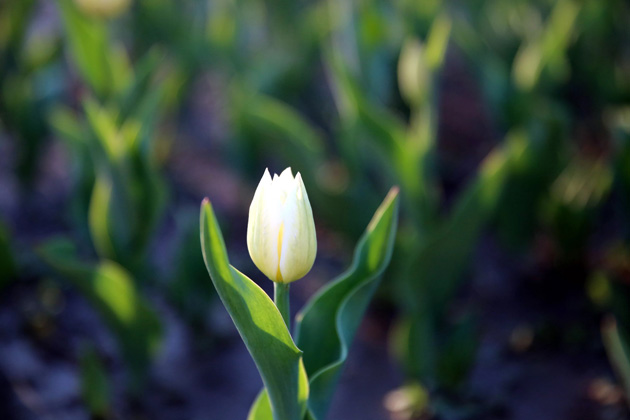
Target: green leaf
[(436, 272), (87, 40), (112, 291), (327, 325), (618, 348), (108, 134), (529, 180), (68, 127), (190, 289), (95, 388), (296, 139), (8, 268), (261, 409), (445, 255), (131, 96), (259, 323), (99, 217)]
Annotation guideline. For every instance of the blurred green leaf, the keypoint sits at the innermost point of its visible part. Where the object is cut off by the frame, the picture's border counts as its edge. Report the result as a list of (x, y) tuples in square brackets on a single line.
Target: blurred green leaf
[(190, 289), (437, 41), (113, 293), (518, 212), (435, 350), (95, 388), (403, 154), (282, 129), (548, 51), (100, 217), (139, 85), (575, 196), (259, 323), (107, 132), (14, 20), (68, 127), (129, 194), (8, 267), (446, 254), (414, 75), (89, 47), (617, 344)]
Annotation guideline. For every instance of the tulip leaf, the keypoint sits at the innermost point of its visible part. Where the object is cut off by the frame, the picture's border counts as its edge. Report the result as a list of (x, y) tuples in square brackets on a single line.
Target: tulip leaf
[(8, 268), (617, 344), (259, 323), (261, 409), (95, 386), (112, 291), (87, 40), (298, 141), (436, 273), (327, 324)]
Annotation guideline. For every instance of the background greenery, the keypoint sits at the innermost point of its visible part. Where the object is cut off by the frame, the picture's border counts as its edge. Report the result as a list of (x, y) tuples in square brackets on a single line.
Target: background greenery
[(505, 124)]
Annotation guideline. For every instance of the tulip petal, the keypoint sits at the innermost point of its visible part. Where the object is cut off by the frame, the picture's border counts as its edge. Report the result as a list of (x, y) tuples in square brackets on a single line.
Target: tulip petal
[(281, 232), (299, 242), (262, 227)]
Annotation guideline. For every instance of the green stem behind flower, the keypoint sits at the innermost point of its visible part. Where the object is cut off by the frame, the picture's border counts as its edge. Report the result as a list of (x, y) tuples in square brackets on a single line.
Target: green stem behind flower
[(281, 299)]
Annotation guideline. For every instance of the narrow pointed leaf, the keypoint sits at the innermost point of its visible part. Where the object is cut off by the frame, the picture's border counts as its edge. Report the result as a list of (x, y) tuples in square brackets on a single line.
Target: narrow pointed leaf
[(328, 323), (87, 41), (259, 323)]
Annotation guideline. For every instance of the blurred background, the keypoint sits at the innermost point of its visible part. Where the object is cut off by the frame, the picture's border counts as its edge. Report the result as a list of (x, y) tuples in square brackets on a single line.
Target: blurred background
[(506, 124)]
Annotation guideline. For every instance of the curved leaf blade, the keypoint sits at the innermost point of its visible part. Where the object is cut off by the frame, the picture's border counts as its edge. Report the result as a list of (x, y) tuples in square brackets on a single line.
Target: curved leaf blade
[(327, 325), (259, 323), (112, 291)]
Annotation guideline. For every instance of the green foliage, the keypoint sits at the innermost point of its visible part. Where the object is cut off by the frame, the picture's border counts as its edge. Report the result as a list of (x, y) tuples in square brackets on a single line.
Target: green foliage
[(120, 191), (550, 72), (8, 267), (620, 128), (95, 388), (27, 68), (102, 66), (269, 124), (575, 197), (518, 213), (283, 129), (112, 291), (325, 327), (259, 323), (435, 347), (617, 343), (190, 289), (128, 196)]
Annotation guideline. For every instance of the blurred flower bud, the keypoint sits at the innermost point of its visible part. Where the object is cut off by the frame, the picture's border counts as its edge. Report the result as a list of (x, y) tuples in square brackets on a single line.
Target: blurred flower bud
[(413, 74), (103, 8), (281, 231)]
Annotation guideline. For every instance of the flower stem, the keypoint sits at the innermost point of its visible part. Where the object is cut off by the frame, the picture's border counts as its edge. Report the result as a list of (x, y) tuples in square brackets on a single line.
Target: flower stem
[(281, 298)]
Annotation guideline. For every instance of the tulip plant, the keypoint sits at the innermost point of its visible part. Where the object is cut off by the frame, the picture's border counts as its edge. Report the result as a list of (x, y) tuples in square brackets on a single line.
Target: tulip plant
[(28, 58), (299, 371), (120, 193)]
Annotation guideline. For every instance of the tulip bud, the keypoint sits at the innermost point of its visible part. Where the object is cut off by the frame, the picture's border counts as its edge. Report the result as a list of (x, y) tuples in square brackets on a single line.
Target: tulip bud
[(103, 8), (281, 231)]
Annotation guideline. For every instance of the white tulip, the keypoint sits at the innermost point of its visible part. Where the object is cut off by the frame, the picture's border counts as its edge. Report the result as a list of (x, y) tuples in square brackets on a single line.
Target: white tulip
[(281, 231)]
